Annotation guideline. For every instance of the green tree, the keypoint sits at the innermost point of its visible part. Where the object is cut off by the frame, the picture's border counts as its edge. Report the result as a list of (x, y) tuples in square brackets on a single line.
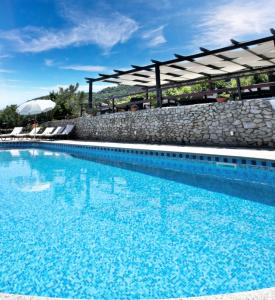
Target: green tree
[(178, 91), (9, 118), (68, 102)]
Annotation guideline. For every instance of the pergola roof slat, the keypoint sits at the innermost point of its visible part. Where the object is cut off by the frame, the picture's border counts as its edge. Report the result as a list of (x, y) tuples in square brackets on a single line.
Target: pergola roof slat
[(233, 68), (250, 51), (185, 72), (227, 63), (238, 57)]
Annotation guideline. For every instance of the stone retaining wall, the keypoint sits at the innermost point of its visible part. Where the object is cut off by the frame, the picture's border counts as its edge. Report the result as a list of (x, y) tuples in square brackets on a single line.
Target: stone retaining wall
[(236, 123)]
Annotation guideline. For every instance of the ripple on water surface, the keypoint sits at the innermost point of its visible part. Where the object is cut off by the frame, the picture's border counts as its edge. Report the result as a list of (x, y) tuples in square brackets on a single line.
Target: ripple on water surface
[(76, 228)]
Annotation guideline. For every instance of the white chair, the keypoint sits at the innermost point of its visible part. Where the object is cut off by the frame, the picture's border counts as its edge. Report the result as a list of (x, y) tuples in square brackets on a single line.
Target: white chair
[(31, 134), (66, 132), (15, 132), (55, 132), (46, 132)]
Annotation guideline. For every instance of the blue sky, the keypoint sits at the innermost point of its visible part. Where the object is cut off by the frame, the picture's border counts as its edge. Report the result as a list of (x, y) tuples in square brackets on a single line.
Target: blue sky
[(45, 44)]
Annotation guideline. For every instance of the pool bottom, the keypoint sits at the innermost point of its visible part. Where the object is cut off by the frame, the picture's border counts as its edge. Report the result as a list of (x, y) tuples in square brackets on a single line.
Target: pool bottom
[(242, 295), (262, 294)]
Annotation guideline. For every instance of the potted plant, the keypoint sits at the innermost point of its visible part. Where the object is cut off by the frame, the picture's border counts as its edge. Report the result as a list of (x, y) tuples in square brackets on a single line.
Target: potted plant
[(223, 97), (134, 107)]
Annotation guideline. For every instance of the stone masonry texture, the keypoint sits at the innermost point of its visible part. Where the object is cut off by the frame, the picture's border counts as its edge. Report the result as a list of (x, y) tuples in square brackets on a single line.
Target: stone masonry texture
[(249, 123)]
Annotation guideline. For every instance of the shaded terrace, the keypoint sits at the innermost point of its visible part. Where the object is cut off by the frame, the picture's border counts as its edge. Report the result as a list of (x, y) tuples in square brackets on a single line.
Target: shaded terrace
[(208, 66)]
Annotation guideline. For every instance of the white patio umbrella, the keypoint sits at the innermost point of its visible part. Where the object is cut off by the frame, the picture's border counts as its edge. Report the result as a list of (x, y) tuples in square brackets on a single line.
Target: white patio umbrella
[(35, 107)]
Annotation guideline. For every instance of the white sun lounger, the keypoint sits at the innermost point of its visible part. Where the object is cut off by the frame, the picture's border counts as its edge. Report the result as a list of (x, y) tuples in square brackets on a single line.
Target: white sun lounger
[(30, 134), (15, 132), (66, 132), (57, 131), (34, 132), (47, 131)]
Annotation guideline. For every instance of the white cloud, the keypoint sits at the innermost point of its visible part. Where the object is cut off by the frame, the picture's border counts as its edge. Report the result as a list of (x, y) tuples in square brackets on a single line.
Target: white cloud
[(5, 70), (84, 68), (235, 19), (4, 81), (2, 56), (48, 62), (154, 37), (156, 4), (104, 32)]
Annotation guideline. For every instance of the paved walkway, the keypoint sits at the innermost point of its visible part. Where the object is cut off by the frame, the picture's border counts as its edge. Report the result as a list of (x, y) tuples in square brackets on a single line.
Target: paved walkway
[(268, 154), (236, 152)]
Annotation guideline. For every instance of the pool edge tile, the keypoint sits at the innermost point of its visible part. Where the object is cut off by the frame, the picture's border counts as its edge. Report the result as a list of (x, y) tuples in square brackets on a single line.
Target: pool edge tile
[(262, 294)]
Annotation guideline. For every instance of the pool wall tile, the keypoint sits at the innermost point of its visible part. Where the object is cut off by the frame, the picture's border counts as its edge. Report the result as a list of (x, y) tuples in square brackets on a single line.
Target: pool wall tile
[(230, 167)]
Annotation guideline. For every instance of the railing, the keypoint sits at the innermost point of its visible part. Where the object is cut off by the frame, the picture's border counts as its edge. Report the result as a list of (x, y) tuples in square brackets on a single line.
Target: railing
[(202, 94), (260, 90)]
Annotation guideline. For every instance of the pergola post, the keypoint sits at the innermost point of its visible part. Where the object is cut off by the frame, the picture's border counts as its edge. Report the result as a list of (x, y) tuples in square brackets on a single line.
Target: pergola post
[(210, 86), (158, 85), (272, 30), (239, 87), (113, 104), (146, 94), (90, 99)]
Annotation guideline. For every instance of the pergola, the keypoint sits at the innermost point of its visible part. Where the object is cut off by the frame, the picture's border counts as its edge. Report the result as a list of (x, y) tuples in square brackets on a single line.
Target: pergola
[(238, 59)]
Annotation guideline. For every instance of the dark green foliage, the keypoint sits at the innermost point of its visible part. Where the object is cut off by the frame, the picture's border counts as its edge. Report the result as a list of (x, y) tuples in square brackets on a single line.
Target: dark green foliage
[(9, 117), (68, 102)]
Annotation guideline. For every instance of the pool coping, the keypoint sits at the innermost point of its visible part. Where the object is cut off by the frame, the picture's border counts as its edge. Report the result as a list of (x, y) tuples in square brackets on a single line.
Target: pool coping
[(220, 151), (249, 153), (223, 157), (262, 294), (262, 154)]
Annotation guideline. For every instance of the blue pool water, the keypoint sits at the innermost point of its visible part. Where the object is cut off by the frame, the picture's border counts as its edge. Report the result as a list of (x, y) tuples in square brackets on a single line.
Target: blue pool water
[(72, 227)]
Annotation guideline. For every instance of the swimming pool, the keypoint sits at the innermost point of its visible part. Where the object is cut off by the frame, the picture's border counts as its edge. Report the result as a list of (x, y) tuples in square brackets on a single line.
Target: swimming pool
[(101, 224)]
